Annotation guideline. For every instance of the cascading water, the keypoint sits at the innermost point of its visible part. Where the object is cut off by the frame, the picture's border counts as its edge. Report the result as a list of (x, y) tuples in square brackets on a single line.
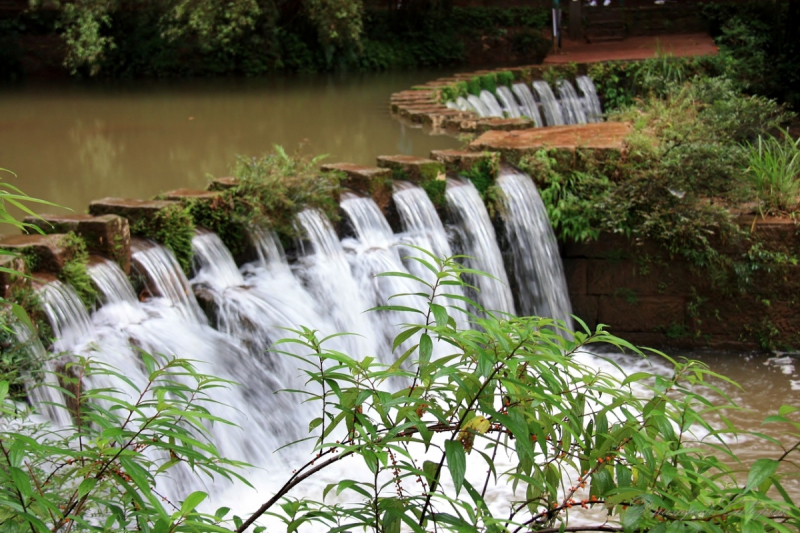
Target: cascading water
[(492, 104), (593, 109), (509, 102), (552, 109), (571, 105), (374, 252), (542, 288), (479, 105), (111, 283), (163, 277), (479, 242), (529, 106), (463, 105)]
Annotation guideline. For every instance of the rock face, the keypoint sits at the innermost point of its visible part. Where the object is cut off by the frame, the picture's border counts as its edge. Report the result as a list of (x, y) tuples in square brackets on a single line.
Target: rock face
[(107, 235), (460, 161), (9, 280), (373, 181), (48, 251)]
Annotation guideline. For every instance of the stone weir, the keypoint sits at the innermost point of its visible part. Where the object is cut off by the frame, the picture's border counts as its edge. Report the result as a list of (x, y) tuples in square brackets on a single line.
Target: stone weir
[(611, 281)]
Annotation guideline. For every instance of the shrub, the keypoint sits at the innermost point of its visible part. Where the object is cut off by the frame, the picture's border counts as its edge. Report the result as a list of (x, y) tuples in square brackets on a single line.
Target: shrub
[(474, 86), (488, 82), (774, 172), (174, 228)]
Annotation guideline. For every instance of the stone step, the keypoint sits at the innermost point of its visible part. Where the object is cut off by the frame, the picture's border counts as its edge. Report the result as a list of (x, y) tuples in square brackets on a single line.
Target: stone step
[(221, 184), (108, 235), (411, 168), (373, 181), (191, 194), (461, 160), (132, 209), (50, 250)]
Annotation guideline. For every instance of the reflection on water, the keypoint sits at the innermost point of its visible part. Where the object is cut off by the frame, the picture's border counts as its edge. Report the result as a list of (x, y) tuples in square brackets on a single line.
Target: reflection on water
[(72, 143)]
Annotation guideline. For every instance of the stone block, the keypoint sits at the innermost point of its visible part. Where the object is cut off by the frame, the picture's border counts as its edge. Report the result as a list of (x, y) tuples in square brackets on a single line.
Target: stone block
[(595, 136), (49, 250), (460, 161), (222, 184), (190, 194), (585, 307), (415, 169), (373, 181), (9, 280), (108, 235), (607, 277), (133, 210), (645, 313), (575, 274)]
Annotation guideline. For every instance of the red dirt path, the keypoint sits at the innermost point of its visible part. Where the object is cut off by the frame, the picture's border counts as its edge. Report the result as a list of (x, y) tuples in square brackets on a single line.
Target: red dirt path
[(632, 48)]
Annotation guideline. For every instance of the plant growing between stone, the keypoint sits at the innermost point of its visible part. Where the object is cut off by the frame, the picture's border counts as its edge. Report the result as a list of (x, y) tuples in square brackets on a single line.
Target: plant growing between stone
[(774, 172)]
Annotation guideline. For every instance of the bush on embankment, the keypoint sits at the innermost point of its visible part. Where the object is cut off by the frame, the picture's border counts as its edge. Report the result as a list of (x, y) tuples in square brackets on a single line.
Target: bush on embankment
[(256, 37)]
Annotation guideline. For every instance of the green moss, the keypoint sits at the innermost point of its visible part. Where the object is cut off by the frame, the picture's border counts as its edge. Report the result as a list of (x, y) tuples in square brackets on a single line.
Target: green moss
[(75, 271), (483, 173), (174, 228), (474, 86), (431, 171), (489, 82), (436, 191), (505, 78)]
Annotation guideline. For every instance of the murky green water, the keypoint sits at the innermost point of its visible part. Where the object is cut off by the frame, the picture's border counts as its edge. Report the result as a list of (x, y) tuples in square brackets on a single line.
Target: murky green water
[(72, 143)]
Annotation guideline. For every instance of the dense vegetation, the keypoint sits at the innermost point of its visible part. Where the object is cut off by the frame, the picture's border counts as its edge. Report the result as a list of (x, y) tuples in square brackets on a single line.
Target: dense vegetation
[(253, 37)]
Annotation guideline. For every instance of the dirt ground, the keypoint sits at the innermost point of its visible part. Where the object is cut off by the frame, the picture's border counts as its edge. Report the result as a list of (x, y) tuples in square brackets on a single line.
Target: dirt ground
[(632, 48)]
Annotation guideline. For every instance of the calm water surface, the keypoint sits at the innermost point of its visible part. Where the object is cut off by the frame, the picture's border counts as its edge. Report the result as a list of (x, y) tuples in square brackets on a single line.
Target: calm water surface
[(73, 143)]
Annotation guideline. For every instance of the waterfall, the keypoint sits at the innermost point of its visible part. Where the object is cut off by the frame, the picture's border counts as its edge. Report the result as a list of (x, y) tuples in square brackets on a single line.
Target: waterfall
[(550, 106), (509, 102), (67, 315), (479, 105), (463, 105), (529, 106), (163, 277), (541, 286), (479, 242), (492, 104), (374, 252), (325, 272), (571, 105), (111, 282), (594, 111)]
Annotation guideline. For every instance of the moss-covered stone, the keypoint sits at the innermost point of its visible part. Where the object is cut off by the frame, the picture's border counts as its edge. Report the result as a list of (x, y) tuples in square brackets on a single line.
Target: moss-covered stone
[(373, 181), (414, 169)]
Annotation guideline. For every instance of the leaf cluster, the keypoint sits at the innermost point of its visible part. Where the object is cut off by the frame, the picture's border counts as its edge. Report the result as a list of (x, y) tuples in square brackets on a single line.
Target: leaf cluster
[(174, 228)]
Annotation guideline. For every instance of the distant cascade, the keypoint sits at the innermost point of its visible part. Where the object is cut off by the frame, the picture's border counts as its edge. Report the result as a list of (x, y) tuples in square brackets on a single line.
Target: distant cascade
[(111, 282), (552, 109), (542, 288), (479, 106), (268, 247), (469, 214), (492, 104), (591, 102), (529, 106), (464, 105), (571, 105), (164, 277), (326, 274), (509, 101)]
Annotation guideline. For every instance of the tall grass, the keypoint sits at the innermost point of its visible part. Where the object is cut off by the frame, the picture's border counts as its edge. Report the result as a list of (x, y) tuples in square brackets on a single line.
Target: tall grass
[(774, 172)]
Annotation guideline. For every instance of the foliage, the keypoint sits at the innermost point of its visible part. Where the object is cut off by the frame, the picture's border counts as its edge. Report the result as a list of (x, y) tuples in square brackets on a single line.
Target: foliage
[(649, 451), (74, 271), (436, 190), (173, 227), (774, 172), (269, 192), (488, 82), (474, 86), (104, 470), (483, 173)]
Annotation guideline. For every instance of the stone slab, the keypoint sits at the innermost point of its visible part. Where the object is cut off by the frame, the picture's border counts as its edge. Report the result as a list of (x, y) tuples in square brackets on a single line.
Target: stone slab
[(132, 209), (108, 235), (189, 194), (221, 184), (49, 249), (416, 169), (597, 136), (374, 181), (575, 274)]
